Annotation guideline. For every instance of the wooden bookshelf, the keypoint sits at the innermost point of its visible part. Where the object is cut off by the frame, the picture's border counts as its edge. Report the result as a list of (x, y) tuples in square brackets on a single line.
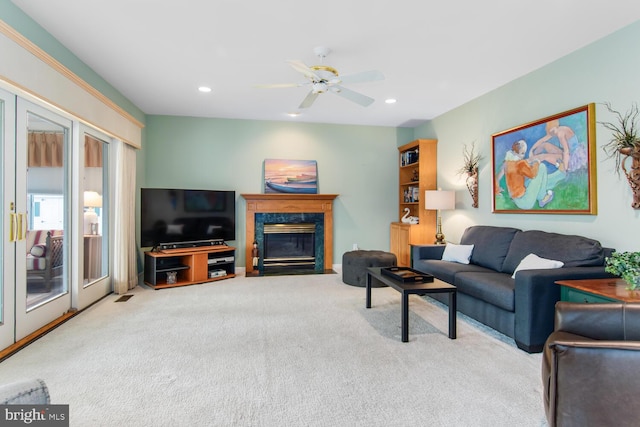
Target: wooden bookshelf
[(417, 166)]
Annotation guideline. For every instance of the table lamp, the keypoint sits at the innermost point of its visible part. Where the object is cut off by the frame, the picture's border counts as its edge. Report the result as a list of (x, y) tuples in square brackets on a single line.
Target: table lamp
[(92, 200), (439, 200)]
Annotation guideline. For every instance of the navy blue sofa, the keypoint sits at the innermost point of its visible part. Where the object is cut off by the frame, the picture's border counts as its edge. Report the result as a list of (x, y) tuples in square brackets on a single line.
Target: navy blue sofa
[(521, 308)]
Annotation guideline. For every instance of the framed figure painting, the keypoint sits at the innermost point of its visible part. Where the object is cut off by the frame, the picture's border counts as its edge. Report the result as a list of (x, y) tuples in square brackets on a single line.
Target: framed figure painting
[(547, 166)]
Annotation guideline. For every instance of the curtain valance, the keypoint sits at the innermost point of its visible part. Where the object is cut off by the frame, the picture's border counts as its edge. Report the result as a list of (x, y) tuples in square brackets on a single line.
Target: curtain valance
[(46, 149)]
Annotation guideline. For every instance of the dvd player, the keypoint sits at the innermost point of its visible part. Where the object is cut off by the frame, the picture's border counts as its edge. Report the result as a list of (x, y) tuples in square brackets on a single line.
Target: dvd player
[(220, 260), (217, 273)]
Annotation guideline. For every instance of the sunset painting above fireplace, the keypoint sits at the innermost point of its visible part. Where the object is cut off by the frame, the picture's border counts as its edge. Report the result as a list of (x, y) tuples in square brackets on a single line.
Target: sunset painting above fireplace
[(290, 176)]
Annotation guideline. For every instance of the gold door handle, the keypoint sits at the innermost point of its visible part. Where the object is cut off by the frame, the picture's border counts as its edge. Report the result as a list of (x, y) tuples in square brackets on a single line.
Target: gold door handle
[(19, 221), (22, 226), (26, 226), (13, 225)]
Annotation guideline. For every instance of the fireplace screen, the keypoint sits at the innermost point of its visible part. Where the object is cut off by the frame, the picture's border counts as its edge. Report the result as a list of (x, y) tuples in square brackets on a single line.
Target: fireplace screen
[(289, 245)]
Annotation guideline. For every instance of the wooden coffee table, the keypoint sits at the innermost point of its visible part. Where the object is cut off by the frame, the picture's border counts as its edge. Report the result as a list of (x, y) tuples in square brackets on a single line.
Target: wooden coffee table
[(406, 289), (597, 291)]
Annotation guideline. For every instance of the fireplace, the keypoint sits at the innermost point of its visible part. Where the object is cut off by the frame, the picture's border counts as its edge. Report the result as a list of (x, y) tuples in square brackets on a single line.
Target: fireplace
[(292, 231), (289, 241), (289, 246)]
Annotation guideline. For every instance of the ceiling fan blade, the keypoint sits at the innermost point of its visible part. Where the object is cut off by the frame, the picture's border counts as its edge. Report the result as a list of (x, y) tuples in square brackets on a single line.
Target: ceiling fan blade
[(356, 97), (300, 67), (308, 100), (365, 76), (279, 85)]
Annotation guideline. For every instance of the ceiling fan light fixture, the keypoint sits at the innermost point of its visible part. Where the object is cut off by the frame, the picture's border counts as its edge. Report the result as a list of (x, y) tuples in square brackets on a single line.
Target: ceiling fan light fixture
[(319, 87), (323, 78)]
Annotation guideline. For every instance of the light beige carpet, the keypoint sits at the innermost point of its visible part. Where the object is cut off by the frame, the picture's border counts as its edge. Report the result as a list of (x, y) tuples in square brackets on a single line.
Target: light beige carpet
[(279, 351)]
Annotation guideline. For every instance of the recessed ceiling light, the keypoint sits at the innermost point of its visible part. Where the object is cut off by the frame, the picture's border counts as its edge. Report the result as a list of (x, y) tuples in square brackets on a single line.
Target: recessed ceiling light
[(390, 101), (293, 114), (204, 89)]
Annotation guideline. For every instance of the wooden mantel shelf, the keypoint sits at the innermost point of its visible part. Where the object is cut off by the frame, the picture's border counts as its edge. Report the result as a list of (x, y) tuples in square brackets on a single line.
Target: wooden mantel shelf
[(290, 196), (289, 203)]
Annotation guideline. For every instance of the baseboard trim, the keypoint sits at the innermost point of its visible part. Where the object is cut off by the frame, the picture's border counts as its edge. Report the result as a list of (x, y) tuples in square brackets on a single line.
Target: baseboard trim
[(20, 344)]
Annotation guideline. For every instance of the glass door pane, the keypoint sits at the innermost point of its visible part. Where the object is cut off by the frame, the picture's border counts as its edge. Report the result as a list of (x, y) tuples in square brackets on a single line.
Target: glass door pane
[(95, 209), (95, 204), (45, 208)]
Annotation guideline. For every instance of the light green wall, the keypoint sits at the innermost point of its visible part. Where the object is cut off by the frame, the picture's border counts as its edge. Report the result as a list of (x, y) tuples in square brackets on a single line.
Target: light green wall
[(356, 162), (606, 70)]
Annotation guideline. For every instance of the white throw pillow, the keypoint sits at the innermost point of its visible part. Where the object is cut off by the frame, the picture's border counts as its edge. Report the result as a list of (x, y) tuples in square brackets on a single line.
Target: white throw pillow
[(38, 251), (457, 253), (534, 262)]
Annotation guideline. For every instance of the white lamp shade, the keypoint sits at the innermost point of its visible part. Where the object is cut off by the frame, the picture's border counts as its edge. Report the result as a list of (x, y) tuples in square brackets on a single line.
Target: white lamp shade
[(439, 200), (92, 199)]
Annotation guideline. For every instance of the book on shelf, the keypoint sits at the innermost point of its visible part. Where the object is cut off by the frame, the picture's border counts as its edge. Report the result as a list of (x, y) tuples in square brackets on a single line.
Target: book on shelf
[(409, 157), (411, 194)]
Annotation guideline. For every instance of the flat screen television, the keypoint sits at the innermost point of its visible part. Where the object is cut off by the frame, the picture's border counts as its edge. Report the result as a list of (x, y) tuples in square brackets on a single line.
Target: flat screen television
[(172, 216)]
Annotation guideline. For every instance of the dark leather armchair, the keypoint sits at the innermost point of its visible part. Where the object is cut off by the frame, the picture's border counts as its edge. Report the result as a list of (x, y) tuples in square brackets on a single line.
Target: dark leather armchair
[(591, 365)]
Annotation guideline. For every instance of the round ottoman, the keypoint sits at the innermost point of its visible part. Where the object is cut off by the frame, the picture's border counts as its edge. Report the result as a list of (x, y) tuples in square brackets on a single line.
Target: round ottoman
[(355, 263)]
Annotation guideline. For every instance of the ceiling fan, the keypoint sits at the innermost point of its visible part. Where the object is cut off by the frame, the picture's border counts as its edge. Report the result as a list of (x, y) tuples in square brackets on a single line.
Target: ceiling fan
[(324, 78)]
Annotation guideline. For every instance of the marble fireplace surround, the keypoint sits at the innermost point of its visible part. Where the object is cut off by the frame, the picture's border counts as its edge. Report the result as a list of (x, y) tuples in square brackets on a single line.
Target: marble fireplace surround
[(289, 203)]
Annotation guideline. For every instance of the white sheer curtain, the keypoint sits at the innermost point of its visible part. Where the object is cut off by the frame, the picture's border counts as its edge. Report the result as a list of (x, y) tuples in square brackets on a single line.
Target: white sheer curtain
[(125, 275)]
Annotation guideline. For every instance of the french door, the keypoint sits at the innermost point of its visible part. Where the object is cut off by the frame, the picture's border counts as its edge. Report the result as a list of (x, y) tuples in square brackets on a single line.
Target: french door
[(35, 211), (55, 251), (42, 211), (7, 231), (93, 253)]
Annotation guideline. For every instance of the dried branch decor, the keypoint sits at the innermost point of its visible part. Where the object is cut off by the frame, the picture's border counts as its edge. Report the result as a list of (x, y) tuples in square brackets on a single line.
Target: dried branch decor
[(470, 168), (624, 143)]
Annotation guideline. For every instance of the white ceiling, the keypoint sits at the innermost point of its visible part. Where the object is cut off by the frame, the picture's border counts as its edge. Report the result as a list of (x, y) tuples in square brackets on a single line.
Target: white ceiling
[(435, 54)]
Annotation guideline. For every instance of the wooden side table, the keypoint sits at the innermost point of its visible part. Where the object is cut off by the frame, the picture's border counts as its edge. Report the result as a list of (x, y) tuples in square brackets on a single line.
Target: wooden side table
[(597, 291)]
